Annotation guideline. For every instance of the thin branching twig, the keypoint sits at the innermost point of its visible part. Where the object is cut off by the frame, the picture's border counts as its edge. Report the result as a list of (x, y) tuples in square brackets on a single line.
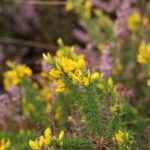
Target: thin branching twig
[(38, 2), (7, 40)]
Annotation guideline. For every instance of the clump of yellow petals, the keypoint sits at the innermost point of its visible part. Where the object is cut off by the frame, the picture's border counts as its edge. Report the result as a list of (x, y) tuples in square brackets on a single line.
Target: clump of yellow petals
[(144, 53), (116, 109), (134, 20), (148, 82), (60, 86), (44, 141), (143, 57), (14, 76), (4, 144), (120, 137), (60, 138), (145, 21), (87, 6), (86, 79), (69, 7), (74, 69), (47, 57)]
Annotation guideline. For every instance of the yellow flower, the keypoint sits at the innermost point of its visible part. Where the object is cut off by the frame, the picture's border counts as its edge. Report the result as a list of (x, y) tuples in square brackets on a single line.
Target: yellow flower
[(47, 132), (95, 76), (41, 141), (4, 144), (10, 64), (101, 86), (110, 82), (57, 115), (85, 81), (68, 65), (144, 53), (116, 109), (148, 82), (75, 78), (45, 141), (120, 137), (69, 7), (27, 71), (15, 75), (60, 138), (81, 64), (47, 57), (133, 21), (61, 135), (145, 21), (59, 41), (88, 6), (33, 145), (35, 85), (98, 12), (60, 86), (55, 73)]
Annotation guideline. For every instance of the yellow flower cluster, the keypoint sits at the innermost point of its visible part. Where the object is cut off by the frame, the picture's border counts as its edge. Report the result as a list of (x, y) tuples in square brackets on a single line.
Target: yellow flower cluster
[(144, 53), (15, 75), (120, 137), (4, 144), (74, 69), (45, 140), (68, 63), (135, 20), (116, 109)]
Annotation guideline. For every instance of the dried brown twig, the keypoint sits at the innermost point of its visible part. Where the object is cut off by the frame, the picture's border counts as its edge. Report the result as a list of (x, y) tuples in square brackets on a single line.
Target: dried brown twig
[(7, 40), (38, 2)]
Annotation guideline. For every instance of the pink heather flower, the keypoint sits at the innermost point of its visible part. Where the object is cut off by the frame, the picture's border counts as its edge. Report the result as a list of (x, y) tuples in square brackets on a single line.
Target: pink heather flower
[(9, 112), (81, 36), (121, 21), (4, 99), (107, 6), (45, 66), (106, 62), (123, 91), (24, 13), (14, 92)]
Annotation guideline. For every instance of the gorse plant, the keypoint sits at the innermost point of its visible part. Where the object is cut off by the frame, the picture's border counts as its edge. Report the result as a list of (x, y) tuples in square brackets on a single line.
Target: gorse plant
[(94, 97)]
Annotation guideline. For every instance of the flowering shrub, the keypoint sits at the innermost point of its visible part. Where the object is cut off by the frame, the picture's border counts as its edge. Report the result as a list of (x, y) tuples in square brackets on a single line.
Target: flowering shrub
[(88, 95)]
